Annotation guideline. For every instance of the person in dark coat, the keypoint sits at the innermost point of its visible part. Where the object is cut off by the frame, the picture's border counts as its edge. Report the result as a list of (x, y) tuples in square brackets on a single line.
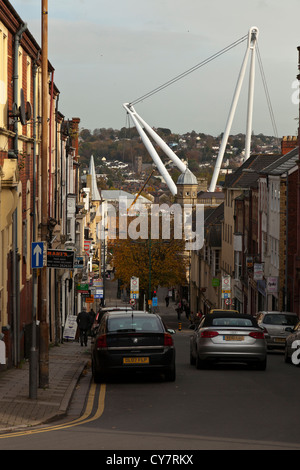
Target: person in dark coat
[(84, 325)]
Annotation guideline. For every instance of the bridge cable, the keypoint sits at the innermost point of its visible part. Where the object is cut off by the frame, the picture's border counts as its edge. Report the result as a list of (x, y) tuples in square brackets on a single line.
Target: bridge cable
[(265, 85), (189, 71)]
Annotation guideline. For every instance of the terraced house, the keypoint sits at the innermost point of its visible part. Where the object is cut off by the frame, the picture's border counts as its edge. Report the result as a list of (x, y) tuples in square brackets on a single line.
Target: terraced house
[(20, 187)]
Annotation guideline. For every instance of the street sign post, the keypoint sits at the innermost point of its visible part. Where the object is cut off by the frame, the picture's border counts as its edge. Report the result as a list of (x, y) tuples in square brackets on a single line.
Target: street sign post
[(134, 287), (226, 287)]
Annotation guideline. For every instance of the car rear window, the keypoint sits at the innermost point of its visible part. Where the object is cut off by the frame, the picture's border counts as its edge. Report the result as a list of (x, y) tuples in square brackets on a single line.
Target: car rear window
[(123, 324), (237, 322), (281, 319)]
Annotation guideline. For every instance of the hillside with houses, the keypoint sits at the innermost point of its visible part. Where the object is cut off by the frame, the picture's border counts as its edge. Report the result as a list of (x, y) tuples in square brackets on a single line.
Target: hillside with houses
[(123, 162)]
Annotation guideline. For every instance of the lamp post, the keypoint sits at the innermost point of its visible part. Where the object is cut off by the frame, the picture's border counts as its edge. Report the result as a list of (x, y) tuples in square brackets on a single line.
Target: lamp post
[(150, 270), (44, 336)]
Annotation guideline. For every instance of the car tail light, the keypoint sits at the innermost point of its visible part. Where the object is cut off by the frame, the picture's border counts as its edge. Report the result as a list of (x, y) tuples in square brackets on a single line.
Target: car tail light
[(168, 340), (101, 342), (209, 334), (257, 334)]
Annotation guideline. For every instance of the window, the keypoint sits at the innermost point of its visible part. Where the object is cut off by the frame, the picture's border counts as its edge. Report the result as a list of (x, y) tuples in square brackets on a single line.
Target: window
[(237, 265), (133, 323), (3, 76), (217, 260), (233, 322)]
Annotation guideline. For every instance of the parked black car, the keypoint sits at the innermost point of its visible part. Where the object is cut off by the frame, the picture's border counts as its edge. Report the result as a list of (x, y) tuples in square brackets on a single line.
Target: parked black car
[(127, 342)]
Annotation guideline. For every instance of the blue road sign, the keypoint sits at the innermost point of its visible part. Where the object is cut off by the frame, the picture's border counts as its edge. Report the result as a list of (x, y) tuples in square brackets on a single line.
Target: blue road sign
[(154, 301), (37, 255)]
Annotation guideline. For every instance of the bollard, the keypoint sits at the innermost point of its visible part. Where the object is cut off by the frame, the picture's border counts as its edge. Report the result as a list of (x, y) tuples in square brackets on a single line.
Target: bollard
[(179, 326)]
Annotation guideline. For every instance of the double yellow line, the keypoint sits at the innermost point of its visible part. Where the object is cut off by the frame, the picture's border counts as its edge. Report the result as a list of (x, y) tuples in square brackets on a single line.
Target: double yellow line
[(94, 410)]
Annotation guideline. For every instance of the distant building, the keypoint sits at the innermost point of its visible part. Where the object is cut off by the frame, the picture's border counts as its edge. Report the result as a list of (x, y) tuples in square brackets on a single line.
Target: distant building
[(187, 186), (138, 164)]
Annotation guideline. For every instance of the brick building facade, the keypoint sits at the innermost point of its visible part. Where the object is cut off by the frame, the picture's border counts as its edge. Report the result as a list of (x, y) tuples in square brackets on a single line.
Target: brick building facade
[(21, 181)]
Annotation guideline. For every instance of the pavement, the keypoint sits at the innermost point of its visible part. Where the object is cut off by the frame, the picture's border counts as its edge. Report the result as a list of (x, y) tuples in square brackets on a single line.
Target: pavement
[(68, 363)]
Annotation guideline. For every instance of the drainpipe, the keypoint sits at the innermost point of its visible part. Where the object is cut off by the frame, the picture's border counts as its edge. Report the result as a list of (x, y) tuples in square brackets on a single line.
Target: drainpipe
[(33, 365), (286, 244), (50, 150), (15, 268), (18, 37)]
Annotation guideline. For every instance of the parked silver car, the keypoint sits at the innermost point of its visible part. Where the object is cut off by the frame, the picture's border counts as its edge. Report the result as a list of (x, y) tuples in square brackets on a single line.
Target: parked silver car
[(275, 325), (290, 345), (228, 337)]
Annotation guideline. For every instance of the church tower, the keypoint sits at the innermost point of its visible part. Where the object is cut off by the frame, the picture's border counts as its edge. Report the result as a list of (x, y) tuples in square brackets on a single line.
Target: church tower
[(187, 186)]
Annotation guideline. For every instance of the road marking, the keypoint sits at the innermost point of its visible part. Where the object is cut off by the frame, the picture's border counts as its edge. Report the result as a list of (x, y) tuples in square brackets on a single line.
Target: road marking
[(87, 417)]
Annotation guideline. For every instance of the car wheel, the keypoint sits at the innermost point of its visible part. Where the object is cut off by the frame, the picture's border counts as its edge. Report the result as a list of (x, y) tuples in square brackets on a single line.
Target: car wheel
[(261, 365), (192, 359), (98, 376), (287, 359), (200, 364), (170, 374)]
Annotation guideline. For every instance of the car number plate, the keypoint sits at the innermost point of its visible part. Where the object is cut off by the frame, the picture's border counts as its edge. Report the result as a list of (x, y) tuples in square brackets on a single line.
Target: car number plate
[(234, 338), (279, 340), (135, 360)]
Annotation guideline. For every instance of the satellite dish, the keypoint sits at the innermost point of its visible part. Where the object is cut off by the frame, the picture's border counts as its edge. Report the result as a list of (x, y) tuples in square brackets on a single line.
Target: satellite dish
[(22, 108), (15, 111), (28, 113)]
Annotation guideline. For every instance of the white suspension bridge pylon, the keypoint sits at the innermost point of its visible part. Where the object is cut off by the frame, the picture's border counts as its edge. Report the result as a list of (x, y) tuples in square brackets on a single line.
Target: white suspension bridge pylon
[(141, 125), (251, 47)]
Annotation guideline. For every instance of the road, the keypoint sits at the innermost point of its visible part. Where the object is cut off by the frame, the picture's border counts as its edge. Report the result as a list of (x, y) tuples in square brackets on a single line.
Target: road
[(226, 407)]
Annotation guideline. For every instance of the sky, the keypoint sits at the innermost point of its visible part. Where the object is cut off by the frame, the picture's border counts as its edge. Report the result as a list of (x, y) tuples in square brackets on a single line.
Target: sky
[(109, 52)]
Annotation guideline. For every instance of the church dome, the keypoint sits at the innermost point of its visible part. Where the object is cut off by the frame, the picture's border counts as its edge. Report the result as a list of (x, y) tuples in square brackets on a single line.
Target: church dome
[(187, 178)]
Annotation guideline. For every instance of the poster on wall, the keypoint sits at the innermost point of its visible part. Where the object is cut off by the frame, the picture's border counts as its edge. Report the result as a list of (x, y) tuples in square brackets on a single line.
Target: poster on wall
[(258, 272), (272, 285)]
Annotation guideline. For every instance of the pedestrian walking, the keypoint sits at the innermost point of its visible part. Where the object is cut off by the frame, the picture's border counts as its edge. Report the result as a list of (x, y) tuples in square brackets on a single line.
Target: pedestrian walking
[(187, 311), (92, 315), (179, 310), (167, 299), (84, 325)]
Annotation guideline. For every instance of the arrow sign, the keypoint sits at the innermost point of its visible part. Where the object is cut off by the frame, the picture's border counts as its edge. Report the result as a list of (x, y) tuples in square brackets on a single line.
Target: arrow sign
[(37, 252), (37, 255)]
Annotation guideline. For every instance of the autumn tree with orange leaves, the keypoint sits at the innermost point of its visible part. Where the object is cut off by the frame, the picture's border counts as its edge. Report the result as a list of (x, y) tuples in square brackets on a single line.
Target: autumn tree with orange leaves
[(162, 260)]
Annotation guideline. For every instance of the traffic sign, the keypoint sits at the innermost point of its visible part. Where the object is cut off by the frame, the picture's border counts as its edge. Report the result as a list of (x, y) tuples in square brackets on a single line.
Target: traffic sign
[(134, 287), (37, 255), (132, 302), (99, 294), (226, 295), (226, 282), (79, 262)]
